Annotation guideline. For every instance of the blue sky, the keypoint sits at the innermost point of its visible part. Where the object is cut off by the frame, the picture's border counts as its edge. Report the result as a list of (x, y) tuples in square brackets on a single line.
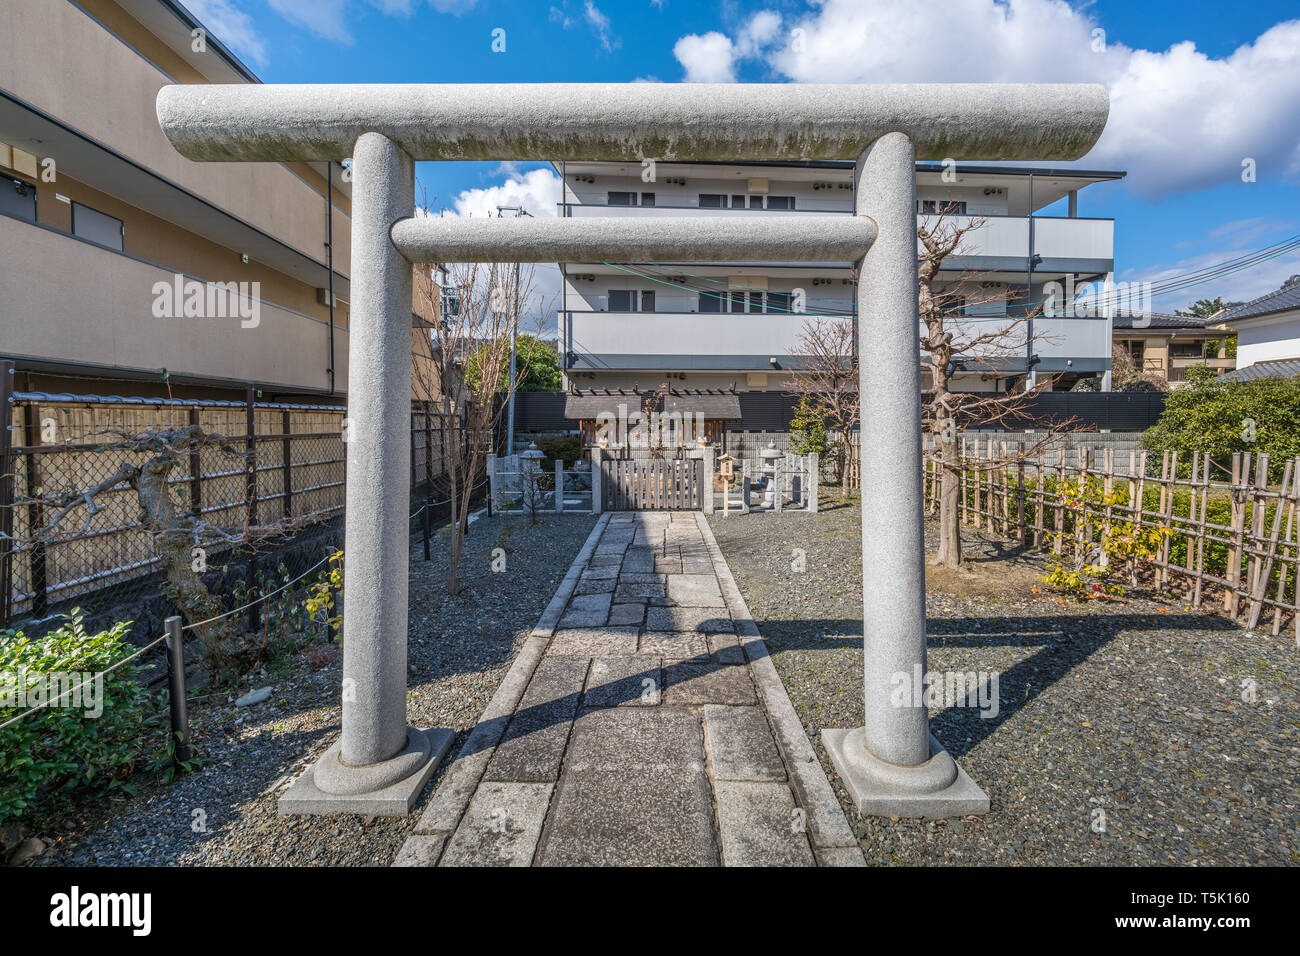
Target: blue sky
[(1196, 87)]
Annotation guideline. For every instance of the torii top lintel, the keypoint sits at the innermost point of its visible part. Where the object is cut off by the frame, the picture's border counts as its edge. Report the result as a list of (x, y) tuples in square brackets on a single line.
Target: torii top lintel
[(633, 121)]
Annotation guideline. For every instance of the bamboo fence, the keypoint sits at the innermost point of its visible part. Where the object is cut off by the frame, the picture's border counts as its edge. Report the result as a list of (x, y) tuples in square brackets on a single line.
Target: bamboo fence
[(1234, 544)]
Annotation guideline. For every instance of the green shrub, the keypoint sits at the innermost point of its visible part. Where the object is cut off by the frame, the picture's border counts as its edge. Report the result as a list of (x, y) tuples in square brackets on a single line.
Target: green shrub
[(566, 447), (808, 427), (1261, 415), (61, 748)]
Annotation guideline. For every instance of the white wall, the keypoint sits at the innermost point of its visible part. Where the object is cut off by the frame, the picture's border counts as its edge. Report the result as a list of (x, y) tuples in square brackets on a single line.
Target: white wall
[(1259, 340)]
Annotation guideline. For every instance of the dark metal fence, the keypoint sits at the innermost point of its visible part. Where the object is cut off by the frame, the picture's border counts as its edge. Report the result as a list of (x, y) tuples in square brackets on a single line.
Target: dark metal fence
[(773, 411)]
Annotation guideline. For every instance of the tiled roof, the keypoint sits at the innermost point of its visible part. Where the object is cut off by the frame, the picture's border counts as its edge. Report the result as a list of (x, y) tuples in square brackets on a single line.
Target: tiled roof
[(1273, 368), (1127, 320), (1287, 297)]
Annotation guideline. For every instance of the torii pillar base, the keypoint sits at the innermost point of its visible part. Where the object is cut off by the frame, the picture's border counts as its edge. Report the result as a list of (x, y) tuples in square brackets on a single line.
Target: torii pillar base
[(388, 789), (934, 789)]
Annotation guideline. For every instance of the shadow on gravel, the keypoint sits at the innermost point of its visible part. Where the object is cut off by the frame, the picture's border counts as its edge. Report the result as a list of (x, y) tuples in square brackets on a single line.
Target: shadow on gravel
[(1064, 641)]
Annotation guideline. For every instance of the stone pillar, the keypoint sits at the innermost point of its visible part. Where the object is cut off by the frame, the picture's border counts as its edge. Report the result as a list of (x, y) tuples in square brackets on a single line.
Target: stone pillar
[(706, 499), (596, 457), (813, 477), (892, 764), (559, 485), (380, 764)]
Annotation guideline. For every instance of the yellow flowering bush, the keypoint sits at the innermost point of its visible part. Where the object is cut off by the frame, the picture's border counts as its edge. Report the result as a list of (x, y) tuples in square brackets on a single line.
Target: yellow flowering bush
[(321, 602)]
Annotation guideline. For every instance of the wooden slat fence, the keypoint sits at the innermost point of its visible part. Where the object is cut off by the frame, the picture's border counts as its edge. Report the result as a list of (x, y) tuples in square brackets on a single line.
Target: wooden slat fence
[(1233, 543), (632, 484)]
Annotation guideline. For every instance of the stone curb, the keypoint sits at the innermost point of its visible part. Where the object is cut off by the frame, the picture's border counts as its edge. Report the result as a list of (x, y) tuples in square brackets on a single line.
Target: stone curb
[(832, 837), (448, 803), (551, 616)]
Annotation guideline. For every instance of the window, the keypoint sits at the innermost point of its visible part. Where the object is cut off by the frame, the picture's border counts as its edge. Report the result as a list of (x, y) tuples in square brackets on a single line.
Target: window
[(737, 202), (755, 202), (630, 300), (737, 302), (755, 302), (647, 199), (712, 302), (780, 202), (778, 302), (97, 227), (931, 207), (17, 198), (622, 199), (713, 201)]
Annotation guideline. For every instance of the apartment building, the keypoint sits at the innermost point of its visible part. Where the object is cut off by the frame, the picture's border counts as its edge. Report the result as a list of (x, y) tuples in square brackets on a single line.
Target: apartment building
[(130, 269), (737, 325), (1163, 347)]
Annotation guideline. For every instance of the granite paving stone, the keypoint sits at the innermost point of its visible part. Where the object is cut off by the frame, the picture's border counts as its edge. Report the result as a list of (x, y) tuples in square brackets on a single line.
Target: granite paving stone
[(674, 645), (625, 681), (703, 619), (630, 613), (587, 610), (760, 825), (593, 641), (707, 682), (740, 744), (533, 744), (501, 827)]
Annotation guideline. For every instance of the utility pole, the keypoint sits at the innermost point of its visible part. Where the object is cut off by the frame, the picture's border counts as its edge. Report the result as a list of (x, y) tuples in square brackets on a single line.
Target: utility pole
[(514, 342)]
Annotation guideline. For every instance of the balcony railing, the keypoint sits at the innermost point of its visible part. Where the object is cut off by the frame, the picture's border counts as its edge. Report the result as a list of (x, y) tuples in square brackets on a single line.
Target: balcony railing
[(1055, 237)]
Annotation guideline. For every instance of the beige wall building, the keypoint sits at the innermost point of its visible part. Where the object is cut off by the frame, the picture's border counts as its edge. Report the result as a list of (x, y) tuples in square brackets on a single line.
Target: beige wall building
[(127, 267), (1164, 347)]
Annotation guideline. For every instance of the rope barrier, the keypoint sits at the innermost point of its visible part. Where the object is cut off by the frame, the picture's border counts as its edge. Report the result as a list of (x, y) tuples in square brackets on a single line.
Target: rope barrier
[(188, 627)]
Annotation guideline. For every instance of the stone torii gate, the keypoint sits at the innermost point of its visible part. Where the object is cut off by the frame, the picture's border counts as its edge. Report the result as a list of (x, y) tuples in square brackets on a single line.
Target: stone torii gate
[(890, 765)]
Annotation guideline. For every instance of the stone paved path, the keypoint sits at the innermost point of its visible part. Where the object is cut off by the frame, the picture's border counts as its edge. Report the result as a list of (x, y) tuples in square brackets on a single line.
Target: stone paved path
[(641, 724)]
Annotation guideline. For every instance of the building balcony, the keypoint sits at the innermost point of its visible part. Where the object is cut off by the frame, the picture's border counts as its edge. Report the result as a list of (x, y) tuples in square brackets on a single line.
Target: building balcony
[(69, 302), (680, 340), (1064, 244), (79, 94)]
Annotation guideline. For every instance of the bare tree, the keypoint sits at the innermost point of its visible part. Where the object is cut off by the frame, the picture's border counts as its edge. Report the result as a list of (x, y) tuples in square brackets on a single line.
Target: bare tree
[(181, 537), (829, 377), (464, 357), (955, 341), (1125, 373)]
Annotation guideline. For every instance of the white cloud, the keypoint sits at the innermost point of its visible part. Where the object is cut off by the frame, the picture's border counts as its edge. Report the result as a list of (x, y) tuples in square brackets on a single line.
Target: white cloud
[(600, 24), (233, 27), (329, 18), (538, 192), (706, 59), (325, 18), (1179, 120)]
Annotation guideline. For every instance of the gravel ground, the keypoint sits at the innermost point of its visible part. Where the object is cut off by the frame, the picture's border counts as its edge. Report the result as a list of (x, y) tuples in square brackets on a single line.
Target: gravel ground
[(225, 814), (1127, 713)]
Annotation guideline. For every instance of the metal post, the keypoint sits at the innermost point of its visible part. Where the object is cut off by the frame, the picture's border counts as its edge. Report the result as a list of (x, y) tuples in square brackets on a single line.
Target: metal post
[(250, 495), (35, 513), (424, 527), (6, 491), (891, 764), (176, 690)]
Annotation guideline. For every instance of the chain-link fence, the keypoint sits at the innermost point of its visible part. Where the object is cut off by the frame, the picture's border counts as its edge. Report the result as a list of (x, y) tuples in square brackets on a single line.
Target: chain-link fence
[(271, 490)]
